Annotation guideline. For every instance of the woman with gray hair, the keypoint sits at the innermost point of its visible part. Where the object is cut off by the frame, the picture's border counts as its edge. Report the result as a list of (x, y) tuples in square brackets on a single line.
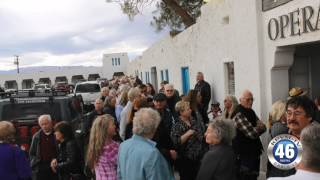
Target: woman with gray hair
[(138, 157), (219, 162), (13, 161)]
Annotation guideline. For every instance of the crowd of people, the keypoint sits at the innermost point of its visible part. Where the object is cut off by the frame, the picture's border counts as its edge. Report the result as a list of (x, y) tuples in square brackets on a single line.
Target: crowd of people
[(136, 133)]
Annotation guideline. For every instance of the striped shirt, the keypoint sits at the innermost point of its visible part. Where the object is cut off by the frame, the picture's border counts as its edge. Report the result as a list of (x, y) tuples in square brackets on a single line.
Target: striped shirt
[(106, 168)]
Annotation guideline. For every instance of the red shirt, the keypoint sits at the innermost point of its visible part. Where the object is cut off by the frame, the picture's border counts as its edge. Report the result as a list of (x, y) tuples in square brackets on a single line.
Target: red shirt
[(47, 147)]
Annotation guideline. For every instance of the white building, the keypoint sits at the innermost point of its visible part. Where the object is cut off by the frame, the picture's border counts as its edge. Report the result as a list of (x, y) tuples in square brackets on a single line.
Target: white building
[(115, 62), (266, 46), (238, 45), (112, 63)]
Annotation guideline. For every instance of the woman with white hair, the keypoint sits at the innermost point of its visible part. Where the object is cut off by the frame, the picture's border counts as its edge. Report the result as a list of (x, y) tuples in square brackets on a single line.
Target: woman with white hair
[(13, 161), (219, 163), (139, 159)]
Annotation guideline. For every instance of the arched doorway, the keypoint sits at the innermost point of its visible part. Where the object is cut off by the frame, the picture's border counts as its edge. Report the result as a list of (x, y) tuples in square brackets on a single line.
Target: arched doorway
[(296, 66), (304, 71)]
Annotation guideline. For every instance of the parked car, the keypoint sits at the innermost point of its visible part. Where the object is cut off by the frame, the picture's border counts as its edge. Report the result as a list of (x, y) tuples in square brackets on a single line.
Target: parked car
[(42, 87), (62, 87), (89, 91)]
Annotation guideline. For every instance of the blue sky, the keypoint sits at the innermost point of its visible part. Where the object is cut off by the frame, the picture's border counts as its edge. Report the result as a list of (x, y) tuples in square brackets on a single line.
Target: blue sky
[(69, 32)]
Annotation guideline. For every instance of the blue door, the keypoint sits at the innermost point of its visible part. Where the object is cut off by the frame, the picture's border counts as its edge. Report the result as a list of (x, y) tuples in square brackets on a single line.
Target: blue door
[(185, 80)]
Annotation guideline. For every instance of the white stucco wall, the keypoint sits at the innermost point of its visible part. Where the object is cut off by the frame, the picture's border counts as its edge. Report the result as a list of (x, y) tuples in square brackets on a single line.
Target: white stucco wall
[(108, 68), (219, 36)]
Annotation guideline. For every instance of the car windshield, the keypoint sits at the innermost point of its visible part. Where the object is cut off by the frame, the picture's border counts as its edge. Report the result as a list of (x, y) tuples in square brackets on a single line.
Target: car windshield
[(30, 111), (84, 88), (40, 87)]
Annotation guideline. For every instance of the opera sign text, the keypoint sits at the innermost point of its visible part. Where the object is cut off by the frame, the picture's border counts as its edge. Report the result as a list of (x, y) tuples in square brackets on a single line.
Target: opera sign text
[(298, 22)]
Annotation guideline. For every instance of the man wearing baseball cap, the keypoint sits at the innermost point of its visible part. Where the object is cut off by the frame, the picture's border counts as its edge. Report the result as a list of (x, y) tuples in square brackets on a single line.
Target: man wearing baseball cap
[(162, 135)]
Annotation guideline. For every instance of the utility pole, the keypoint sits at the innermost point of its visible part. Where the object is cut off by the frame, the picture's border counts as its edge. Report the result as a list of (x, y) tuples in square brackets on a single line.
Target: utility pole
[(16, 62)]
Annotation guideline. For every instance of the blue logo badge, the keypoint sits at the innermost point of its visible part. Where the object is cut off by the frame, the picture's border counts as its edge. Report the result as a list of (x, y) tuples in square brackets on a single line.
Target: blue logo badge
[(284, 151)]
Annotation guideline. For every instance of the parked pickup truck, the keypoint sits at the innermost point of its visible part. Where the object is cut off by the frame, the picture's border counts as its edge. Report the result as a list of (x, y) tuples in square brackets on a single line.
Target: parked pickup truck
[(89, 91), (23, 108)]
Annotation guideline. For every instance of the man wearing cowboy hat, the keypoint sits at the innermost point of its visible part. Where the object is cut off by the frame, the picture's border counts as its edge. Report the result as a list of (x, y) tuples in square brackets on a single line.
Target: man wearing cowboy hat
[(296, 91)]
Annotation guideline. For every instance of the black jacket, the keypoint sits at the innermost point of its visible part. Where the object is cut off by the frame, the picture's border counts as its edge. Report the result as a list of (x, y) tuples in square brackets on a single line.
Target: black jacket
[(69, 159), (205, 90), (162, 135), (171, 103), (88, 121), (241, 144), (219, 163)]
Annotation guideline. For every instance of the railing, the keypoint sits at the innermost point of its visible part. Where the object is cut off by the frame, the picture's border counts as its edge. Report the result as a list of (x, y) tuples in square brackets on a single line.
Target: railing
[(31, 93)]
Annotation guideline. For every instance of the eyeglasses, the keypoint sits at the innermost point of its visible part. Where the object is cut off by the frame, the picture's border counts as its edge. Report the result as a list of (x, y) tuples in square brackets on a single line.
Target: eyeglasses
[(169, 90), (294, 113), (248, 99)]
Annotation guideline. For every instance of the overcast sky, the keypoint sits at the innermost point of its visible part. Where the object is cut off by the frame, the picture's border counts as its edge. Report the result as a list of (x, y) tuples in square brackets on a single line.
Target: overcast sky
[(69, 32)]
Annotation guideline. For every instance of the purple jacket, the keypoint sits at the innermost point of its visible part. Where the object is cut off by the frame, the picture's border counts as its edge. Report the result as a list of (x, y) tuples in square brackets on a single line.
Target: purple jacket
[(14, 164)]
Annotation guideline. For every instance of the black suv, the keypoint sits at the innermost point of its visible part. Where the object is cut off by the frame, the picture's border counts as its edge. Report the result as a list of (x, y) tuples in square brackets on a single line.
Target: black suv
[(24, 108)]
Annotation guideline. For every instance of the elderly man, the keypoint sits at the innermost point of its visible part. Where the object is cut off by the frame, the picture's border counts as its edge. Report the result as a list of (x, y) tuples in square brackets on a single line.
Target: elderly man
[(172, 98), (43, 150), (205, 91), (247, 144), (139, 159), (309, 167), (162, 84)]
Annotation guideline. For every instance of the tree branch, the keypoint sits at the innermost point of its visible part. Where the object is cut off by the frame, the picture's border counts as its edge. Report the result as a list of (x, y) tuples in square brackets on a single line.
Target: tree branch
[(186, 18)]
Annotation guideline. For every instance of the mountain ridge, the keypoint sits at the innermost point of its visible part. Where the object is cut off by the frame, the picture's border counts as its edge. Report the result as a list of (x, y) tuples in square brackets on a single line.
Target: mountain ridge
[(41, 69)]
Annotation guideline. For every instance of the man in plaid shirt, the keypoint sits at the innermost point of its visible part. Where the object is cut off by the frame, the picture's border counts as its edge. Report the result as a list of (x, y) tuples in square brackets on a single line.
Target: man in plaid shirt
[(247, 144)]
